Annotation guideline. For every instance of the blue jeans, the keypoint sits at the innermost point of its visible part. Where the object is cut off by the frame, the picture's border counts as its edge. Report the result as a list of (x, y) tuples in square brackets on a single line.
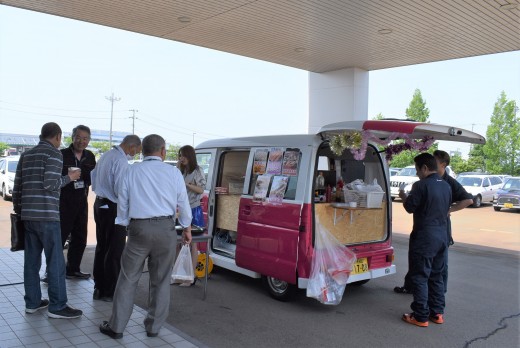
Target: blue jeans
[(46, 236)]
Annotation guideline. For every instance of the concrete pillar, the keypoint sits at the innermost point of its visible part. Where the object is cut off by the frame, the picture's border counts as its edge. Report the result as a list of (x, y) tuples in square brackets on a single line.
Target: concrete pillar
[(337, 96)]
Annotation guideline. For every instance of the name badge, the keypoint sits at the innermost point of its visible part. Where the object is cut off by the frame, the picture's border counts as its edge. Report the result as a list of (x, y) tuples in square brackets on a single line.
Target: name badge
[(79, 184)]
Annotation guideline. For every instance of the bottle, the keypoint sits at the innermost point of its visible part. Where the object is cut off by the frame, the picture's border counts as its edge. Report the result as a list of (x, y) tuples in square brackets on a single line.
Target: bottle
[(320, 181), (328, 194)]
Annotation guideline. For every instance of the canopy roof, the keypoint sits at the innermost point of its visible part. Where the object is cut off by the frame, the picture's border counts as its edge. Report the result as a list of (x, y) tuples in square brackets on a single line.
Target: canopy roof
[(313, 35)]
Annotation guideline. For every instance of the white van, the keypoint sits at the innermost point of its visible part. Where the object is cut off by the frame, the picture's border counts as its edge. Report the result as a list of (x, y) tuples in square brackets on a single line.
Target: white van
[(262, 202)]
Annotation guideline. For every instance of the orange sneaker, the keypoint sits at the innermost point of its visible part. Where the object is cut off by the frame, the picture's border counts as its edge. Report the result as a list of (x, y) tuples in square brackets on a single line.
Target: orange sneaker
[(437, 318), (410, 319)]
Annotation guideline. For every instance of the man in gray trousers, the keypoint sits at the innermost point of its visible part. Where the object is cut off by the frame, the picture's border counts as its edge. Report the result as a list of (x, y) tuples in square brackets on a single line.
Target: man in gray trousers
[(148, 209)]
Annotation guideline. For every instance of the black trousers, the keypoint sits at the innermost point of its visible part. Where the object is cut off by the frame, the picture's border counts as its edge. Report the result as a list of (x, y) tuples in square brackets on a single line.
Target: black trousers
[(111, 239), (74, 221), (407, 280)]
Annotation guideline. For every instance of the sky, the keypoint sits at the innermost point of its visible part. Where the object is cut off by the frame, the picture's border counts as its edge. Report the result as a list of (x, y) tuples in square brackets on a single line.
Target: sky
[(62, 70)]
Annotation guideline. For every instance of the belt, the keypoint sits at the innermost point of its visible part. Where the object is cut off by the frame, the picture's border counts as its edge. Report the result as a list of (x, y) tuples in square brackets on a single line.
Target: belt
[(155, 218), (103, 199)]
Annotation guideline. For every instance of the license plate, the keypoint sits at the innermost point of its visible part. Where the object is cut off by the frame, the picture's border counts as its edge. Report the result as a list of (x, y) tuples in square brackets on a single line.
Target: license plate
[(361, 266), (508, 205)]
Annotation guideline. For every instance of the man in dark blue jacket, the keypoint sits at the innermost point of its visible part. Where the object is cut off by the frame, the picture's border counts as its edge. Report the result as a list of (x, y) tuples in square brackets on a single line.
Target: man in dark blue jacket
[(429, 201)]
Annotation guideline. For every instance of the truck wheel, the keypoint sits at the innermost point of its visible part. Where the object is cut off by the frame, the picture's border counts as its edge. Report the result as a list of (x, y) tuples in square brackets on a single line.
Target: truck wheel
[(477, 201), (4, 192), (278, 289), (497, 208)]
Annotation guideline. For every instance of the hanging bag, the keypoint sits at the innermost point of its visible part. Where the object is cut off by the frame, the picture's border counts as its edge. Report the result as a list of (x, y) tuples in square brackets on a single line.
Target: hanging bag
[(17, 233), (183, 267), (331, 266)]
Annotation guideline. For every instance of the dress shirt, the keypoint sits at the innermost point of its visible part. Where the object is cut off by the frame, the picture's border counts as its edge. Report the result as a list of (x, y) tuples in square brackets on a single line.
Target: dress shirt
[(108, 173), (150, 189)]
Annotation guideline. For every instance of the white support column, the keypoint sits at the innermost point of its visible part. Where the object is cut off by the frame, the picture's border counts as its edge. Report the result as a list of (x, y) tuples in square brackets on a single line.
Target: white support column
[(337, 96)]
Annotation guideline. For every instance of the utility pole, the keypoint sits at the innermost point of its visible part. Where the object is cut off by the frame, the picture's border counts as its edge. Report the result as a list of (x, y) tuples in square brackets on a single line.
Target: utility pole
[(193, 140), (112, 99), (133, 120)]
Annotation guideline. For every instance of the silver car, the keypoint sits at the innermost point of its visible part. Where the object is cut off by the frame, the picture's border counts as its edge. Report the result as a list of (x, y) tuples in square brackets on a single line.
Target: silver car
[(483, 187)]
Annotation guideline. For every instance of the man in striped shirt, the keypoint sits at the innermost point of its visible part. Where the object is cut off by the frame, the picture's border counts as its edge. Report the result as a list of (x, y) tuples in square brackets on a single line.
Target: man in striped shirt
[(36, 196)]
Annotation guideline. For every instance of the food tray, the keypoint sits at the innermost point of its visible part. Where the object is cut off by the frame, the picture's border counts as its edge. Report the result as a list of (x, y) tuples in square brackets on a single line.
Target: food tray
[(364, 199)]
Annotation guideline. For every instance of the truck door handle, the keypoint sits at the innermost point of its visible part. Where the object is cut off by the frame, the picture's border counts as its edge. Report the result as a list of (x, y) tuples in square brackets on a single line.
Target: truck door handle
[(247, 210)]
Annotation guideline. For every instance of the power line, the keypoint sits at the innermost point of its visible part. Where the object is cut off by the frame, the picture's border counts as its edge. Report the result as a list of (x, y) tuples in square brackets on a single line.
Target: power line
[(53, 115), (47, 108)]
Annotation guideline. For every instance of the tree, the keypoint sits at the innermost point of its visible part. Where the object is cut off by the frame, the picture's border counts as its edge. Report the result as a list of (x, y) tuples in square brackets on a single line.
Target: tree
[(4, 146), (416, 111), (502, 149), (67, 141), (172, 152), (102, 146)]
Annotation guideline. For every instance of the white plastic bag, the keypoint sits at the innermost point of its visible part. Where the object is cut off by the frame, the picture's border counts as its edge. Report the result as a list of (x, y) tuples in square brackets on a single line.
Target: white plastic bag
[(331, 266), (183, 267)]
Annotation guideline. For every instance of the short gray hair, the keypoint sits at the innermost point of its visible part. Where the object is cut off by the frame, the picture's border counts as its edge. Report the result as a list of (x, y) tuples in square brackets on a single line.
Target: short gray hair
[(152, 143), (131, 140)]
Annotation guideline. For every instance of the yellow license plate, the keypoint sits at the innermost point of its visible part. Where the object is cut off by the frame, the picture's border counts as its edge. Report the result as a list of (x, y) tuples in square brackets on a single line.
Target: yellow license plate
[(361, 266), (508, 205)]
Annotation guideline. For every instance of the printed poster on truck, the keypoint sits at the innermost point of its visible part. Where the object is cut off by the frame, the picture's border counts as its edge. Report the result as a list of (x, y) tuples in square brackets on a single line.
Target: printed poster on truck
[(278, 189), (260, 161), (261, 187), (274, 164), (290, 162)]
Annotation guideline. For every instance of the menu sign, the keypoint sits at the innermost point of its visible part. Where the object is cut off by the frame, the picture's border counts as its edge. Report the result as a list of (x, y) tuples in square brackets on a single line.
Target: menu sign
[(290, 162), (261, 187), (274, 164), (278, 189), (260, 161)]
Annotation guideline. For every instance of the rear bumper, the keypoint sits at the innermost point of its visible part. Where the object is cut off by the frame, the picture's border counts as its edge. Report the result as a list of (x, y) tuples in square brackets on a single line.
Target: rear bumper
[(371, 274)]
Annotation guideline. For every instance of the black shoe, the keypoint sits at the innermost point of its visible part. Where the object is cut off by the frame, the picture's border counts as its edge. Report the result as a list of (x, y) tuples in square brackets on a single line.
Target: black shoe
[(43, 304), (77, 275), (97, 294), (105, 329), (402, 290), (152, 334), (65, 313)]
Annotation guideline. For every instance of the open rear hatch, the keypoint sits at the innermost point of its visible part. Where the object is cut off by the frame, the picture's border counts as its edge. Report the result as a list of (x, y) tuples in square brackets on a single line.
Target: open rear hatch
[(395, 129)]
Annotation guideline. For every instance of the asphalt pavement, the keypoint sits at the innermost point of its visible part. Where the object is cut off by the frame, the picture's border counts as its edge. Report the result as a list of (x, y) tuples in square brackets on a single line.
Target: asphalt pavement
[(482, 303)]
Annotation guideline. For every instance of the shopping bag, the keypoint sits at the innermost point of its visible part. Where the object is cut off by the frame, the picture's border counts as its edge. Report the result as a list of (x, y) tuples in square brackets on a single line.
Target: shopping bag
[(183, 267), (330, 268), (17, 233)]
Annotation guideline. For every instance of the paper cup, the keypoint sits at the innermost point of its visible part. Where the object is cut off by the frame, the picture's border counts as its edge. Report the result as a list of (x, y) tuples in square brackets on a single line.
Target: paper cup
[(73, 169)]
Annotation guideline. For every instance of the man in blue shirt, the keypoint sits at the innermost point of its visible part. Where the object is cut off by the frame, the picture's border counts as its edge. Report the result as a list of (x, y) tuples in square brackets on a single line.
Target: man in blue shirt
[(429, 201), (150, 195), (106, 178), (460, 200)]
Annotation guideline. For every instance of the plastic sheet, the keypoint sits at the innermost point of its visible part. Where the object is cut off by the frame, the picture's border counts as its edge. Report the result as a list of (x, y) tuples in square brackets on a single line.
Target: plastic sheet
[(331, 266)]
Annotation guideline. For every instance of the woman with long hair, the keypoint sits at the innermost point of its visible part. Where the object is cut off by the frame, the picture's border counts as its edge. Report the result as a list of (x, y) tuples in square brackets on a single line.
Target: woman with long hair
[(195, 182)]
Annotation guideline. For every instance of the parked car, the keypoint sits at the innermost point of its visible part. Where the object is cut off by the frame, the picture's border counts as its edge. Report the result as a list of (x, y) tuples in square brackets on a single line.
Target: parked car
[(394, 171), (509, 195), (482, 186), (408, 176), (7, 171)]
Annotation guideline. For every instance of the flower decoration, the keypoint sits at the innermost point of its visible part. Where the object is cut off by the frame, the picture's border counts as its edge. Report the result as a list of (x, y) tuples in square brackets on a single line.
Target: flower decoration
[(357, 142)]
